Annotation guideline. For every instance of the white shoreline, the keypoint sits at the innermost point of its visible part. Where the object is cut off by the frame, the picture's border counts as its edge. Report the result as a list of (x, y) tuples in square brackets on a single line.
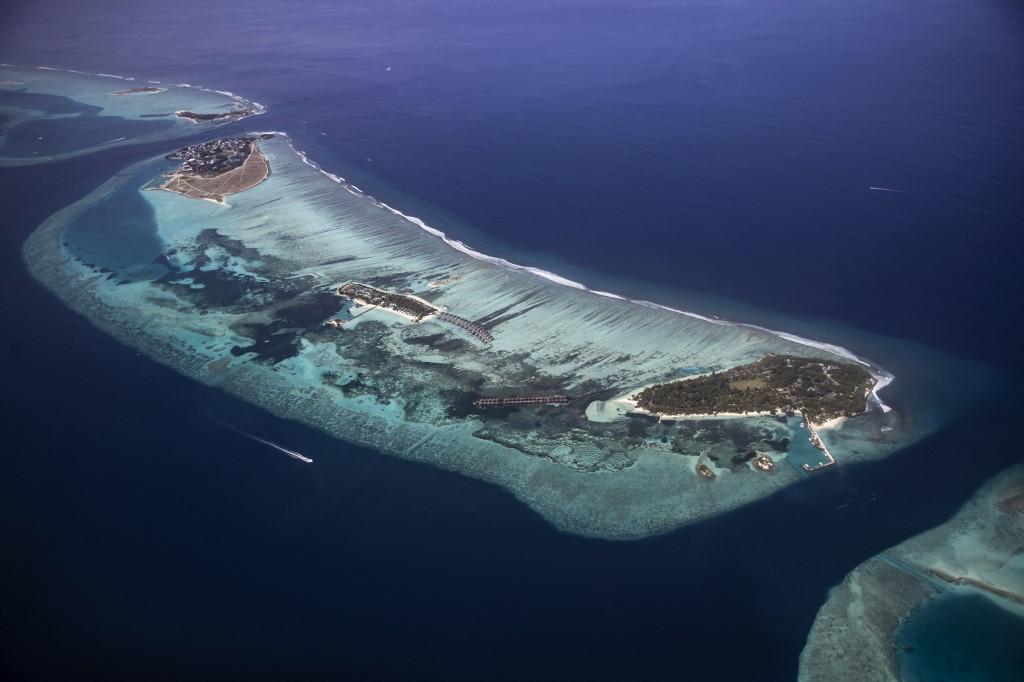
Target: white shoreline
[(609, 410)]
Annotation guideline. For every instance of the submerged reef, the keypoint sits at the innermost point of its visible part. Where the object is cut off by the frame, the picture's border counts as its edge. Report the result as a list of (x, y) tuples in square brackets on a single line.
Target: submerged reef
[(49, 114), (866, 629), (321, 304)]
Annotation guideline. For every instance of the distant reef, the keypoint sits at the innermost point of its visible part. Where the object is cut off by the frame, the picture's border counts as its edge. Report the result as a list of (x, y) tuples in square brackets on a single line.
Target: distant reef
[(819, 389), (95, 117), (979, 553)]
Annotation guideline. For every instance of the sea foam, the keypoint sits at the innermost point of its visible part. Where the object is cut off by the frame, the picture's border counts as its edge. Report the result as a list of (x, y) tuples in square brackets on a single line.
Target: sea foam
[(882, 377)]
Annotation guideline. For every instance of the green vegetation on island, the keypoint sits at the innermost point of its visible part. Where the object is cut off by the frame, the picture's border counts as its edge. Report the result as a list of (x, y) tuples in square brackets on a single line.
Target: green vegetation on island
[(410, 306), (818, 389)]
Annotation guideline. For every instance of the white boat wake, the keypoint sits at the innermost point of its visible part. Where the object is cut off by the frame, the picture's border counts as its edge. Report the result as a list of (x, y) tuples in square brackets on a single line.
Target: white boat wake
[(279, 448), (269, 443)]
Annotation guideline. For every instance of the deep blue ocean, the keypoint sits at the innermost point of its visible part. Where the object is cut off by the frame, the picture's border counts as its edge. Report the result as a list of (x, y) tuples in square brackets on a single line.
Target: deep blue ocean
[(710, 154)]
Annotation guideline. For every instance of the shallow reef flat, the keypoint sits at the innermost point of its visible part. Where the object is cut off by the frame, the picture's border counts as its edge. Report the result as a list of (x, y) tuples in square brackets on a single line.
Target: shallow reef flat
[(244, 295), (48, 114), (935, 583)]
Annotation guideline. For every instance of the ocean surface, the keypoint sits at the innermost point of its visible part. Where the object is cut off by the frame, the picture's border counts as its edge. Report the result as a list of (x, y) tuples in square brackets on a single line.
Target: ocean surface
[(715, 156), (961, 637)]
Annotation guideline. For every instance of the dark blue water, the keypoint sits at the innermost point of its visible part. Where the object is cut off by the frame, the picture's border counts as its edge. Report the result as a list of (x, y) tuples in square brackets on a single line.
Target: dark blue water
[(962, 637), (80, 128), (705, 151), (119, 235)]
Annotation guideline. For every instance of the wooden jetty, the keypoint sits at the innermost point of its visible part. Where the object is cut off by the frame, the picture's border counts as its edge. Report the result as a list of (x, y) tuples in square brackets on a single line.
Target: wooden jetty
[(513, 400)]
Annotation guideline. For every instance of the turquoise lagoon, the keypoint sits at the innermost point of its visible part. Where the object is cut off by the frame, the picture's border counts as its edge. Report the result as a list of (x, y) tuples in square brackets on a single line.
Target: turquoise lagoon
[(964, 636), (48, 114), (947, 604), (236, 295)]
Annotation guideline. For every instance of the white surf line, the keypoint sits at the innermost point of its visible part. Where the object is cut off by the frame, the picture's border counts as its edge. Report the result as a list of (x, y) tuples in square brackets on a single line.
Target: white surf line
[(889, 189), (882, 377), (252, 105), (119, 139)]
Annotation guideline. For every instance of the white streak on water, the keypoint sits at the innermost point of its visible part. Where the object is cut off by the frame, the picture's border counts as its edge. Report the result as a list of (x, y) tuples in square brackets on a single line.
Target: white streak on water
[(279, 448), (264, 441)]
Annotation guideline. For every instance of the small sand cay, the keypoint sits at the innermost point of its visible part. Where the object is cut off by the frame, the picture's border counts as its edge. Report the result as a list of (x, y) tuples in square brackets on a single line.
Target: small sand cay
[(143, 90), (201, 175)]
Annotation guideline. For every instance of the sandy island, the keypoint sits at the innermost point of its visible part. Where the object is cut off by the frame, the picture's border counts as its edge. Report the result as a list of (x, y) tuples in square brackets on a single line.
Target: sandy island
[(602, 411), (254, 170), (143, 90)]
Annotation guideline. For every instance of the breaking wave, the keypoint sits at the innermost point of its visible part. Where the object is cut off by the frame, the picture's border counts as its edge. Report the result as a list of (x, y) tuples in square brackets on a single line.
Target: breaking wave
[(256, 107), (882, 377)]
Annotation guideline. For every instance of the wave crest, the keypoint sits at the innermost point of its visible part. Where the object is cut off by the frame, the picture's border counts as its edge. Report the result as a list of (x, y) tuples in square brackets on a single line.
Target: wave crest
[(882, 377)]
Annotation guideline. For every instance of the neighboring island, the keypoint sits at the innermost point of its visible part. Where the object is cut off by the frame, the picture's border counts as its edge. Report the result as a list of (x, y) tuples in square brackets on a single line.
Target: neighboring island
[(821, 390), (908, 613), (142, 90), (213, 170), (100, 112), (219, 116)]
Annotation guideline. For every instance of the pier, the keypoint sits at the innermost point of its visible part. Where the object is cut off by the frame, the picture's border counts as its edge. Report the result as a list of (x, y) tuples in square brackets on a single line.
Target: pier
[(513, 400), (817, 442), (472, 327)]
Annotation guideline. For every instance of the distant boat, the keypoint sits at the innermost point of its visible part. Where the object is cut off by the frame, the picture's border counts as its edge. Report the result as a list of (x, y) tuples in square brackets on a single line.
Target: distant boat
[(889, 189), (280, 448), (389, 68)]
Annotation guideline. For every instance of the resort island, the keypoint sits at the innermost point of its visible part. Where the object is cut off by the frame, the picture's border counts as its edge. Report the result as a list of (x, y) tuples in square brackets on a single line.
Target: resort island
[(820, 390), (221, 116), (321, 304)]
